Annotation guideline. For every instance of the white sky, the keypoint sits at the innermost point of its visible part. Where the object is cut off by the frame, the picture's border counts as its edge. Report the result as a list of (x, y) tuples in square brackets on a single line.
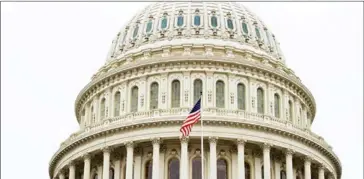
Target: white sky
[(51, 50)]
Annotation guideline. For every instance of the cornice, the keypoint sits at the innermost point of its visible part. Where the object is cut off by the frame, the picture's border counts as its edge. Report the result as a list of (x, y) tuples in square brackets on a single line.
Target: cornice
[(294, 135)]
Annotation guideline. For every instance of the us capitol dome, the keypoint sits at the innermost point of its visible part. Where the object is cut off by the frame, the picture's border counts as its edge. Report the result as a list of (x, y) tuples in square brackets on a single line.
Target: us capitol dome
[(257, 115)]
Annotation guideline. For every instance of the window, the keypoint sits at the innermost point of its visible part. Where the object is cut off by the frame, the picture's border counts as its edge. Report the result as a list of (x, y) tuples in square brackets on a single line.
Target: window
[(257, 32), (111, 173), (117, 104), (197, 20), (176, 93), (180, 21), (149, 26), (102, 109), (148, 170), (245, 28), (173, 169), (135, 33), (134, 99), (283, 174), (277, 105), (221, 169), (214, 21), (197, 89), (164, 23), (241, 96), (220, 94), (247, 170), (260, 100), (290, 110), (230, 24), (196, 168), (154, 95)]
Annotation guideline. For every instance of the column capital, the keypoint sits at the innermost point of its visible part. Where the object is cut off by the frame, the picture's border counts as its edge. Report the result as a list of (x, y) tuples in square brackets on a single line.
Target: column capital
[(266, 146), (307, 159), (257, 153), (289, 152), (117, 156), (156, 140), (71, 163), (321, 166), (213, 139), (106, 149), (241, 141), (129, 144), (184, 139), (86, 156)]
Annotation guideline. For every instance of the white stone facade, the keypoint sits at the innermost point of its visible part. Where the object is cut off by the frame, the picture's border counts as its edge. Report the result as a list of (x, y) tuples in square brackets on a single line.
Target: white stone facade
[(256, 112)]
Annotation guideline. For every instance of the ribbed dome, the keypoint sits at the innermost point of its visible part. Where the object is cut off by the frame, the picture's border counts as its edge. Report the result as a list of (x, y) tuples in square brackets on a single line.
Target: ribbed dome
[(179, 23)]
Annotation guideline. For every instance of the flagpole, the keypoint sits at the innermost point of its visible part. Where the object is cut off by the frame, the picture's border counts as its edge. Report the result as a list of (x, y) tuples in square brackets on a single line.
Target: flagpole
[(202, 149)]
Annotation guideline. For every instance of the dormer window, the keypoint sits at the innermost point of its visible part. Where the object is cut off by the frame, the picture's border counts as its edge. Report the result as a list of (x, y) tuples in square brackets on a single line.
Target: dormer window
[(230, 24), (245, 28), (180, 21), (164, 22), (149, 26), (197, 20), (136, 29), (214, 21)]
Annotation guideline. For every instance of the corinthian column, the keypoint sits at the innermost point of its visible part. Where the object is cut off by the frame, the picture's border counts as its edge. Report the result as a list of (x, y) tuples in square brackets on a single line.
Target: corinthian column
[(106, 164), (307, 168), (322, 172), (266, 156), (129, 160), (72, 170), (61, 175), (184, 158), (289, 166), (156, 145), (213, 169), (241, 162), (87, 166)]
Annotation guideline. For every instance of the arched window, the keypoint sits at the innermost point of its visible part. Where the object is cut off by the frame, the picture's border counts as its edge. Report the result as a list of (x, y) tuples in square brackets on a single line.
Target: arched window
[(220, 94), (197, 20), (277, 104), (247, 170), (230, 24), (260, 100), (196, 168), (117, 104), (149, 26), (180, 21), (164, 22), (134, 99), (154, 95), (173, 168), (176, 93), (111, 173), (257, 32), (241, 96), (213, 21), (290, 106), (222, 169), (96, 177), (102, 109), (245, 28), (283, 174), (148, 170), (135, 33), (197, 89)]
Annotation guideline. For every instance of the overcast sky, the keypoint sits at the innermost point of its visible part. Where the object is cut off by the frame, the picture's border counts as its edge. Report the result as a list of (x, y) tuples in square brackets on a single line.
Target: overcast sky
[(49, 51)]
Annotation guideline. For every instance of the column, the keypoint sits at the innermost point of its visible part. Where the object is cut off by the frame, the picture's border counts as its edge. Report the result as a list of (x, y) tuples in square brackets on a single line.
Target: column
[(266, 156), (106, 163), (213, 169), (72, 170), (129, 160), (87, 166), (277, 168), (307, 168), (257, 167), (61, 175), (241, 158), (137, 163), (184, 158), (322, 172), (289, 166), (161, 160), (156, 145), (117, 166), (234, 163)]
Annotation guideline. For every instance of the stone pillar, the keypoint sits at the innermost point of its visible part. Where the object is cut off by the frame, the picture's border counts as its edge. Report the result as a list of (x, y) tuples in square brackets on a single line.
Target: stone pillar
[(161, 160), (99, 170), (106, 164), (184, 158), (266, 156), (289, 166), (72, 170), (213, 169), (137, 163), (129, 159), (307, 168), (322, 172), (241, 157), (277, 168), (61, 175), (156, 147), (257, 167), (87, 166), (117, 165), (234, 163)]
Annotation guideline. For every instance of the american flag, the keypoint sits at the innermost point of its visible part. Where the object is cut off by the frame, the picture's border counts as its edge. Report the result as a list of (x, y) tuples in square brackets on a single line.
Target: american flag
[(192, 118)]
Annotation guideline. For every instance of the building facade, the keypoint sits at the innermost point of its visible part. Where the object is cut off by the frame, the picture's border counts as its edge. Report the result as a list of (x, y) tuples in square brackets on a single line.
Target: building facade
[(257, 114)]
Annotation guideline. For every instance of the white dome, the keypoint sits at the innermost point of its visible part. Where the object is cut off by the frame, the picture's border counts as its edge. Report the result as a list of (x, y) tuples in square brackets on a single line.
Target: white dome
[(178, 23)]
